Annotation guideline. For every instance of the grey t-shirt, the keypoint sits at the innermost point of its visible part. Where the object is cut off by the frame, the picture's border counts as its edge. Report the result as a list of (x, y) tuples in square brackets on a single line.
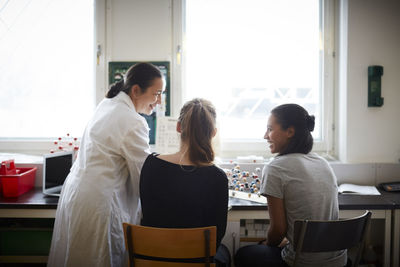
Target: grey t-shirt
[(308, 187)]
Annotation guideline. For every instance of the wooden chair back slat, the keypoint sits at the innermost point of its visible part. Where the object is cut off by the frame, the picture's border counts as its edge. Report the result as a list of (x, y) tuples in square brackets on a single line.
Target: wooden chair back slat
[(170, 243), (147, 263)]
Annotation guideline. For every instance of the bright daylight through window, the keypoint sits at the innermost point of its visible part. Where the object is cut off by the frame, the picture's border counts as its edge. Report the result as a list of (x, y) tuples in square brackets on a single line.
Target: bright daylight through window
[(250, 56), (46, 67)]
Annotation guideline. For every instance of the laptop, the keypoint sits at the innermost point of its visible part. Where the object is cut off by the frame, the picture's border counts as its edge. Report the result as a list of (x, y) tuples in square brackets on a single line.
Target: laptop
[(56, 167)]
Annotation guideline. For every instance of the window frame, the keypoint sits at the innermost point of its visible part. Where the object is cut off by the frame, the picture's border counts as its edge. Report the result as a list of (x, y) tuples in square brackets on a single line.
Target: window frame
[(227, 149), (230, 148), (39, 146)]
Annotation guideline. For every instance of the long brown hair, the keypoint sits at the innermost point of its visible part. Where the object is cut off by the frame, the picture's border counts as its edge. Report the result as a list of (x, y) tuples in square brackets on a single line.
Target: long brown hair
[(197, 119)]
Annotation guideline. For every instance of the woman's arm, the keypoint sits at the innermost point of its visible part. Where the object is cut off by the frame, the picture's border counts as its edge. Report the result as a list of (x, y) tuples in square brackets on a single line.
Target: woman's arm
[(278, 227)]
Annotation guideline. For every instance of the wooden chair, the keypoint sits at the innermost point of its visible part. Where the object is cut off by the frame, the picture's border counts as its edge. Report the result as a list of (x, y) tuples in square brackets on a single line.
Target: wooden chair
[(170, 247), (324, 236)]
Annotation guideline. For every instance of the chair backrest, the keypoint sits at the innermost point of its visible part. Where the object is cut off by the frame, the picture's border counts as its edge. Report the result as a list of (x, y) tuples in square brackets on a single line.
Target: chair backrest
[(324, 236), (170, 247)]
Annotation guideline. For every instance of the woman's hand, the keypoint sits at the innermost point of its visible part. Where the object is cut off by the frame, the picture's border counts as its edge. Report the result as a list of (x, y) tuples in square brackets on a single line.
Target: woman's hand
[(284, 242)]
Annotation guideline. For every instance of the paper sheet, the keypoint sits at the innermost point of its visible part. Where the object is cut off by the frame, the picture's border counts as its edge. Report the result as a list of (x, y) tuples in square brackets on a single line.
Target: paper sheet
[(167, 138), (248, 196), (358, 189)]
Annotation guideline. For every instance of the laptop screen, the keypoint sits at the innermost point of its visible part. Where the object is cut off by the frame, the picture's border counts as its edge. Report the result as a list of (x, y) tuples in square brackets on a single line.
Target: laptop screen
[(56, 168)]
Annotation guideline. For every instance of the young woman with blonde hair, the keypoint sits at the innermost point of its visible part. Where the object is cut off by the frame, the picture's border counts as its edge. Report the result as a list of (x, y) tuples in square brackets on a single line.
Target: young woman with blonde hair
[(185, 189)]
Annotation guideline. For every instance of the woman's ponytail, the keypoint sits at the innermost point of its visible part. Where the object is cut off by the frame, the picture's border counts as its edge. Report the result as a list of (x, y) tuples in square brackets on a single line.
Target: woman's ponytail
[(197, 120), (115, 88)]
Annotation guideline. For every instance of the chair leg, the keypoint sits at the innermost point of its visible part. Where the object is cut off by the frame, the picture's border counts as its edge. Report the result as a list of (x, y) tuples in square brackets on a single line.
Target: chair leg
[(207, 247), (300, 242), (130, 246)]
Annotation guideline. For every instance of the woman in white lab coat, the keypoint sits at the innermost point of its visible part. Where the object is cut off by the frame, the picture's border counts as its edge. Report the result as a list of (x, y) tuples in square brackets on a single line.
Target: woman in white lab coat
[(102, 190)]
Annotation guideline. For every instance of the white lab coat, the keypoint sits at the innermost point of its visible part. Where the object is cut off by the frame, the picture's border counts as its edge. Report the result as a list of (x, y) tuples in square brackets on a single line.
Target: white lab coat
[(102, 190)]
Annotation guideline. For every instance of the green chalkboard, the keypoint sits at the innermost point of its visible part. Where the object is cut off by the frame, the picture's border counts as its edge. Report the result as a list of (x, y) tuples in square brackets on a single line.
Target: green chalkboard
[(117, 70)]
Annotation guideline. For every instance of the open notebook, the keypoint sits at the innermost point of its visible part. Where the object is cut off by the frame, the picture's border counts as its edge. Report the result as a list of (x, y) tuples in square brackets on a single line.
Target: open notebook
[(358, 189)]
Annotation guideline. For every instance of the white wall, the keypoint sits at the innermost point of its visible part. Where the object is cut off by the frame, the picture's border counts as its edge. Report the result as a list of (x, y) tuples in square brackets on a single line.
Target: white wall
[(131, 30), (139, 30), (370, 35), (373, 38)]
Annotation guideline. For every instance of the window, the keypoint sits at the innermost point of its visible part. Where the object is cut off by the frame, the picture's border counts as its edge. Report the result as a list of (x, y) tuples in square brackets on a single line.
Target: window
[(46, 67), (250, 56)]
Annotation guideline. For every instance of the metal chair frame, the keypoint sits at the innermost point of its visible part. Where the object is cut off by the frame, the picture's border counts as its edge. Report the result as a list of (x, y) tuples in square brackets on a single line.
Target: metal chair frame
[(325, 236)]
